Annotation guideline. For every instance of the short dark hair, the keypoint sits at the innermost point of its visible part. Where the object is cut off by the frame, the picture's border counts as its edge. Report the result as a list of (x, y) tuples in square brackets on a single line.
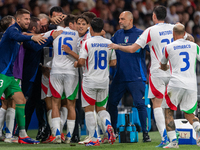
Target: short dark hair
[(33, 23), (56, 9), (5, 22), (21, 12), (160, 12), (90, 15), (97, 24), (70, 18), (83, 17)]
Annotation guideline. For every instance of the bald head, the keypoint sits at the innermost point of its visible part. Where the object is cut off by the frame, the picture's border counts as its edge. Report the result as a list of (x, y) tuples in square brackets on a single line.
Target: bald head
[(126, 20), (179, 29)]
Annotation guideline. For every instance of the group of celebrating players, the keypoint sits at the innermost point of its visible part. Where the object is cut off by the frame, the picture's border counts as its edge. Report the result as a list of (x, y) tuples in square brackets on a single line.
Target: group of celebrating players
[(78, 42)]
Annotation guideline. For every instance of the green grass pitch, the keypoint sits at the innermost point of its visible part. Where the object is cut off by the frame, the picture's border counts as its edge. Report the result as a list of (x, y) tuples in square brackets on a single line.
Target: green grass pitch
[(155, 137)]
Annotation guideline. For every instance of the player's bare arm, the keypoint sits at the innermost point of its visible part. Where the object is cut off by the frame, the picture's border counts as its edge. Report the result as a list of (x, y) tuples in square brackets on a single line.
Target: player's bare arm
[(113, 62), (56, 33), (79, 63), (39, 39), (129, 49), (70, 52)]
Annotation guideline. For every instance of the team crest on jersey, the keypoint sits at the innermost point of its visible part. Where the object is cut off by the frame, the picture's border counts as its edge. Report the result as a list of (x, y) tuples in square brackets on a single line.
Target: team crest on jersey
[(126, 39)]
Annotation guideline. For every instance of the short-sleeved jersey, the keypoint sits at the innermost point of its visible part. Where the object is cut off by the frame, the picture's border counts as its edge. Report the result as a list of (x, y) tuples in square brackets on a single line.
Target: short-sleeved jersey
[(82, 39), (62, 62), (182, 55), (157, 37), (95, 51)]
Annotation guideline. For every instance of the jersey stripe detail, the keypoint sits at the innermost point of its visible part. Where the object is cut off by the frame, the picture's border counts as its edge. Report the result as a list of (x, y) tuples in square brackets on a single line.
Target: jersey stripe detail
[(149, 37), (51, 32), (155, 52), (166, 54), (169, 103), (90, 100), (155, 92), (44, 88), (53, 91), (197, 49), (86, 48)]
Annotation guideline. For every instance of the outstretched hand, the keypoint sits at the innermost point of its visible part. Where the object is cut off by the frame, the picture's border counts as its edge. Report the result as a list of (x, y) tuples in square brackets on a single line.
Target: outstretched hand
[(113, 46), (55, 34), (39, 38), (66, 48)]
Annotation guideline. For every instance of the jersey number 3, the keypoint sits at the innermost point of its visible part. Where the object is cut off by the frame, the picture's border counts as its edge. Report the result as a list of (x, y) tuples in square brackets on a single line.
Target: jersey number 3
[(100, 59), (186, 60)]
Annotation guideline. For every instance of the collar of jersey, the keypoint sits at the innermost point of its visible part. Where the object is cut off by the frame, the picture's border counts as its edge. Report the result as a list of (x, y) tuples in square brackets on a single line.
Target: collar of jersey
[(60, 28), (85, 33), (16, 24), (130, 30)]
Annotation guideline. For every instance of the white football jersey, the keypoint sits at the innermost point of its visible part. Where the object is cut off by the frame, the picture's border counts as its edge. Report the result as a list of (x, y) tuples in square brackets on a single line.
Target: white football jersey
[(97, 54), (157, 37), (62, 62), (82, 39), (182, 55)]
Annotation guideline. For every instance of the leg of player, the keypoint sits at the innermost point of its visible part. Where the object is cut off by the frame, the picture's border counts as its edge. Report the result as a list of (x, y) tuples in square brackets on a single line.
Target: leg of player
[(170, 126), (56, 104), (194, 121), (160, 120), (71, 104), (2, 117), (20, 117), (10, 119), (105, 117), (63, 117), (48, 101), (91, 126)]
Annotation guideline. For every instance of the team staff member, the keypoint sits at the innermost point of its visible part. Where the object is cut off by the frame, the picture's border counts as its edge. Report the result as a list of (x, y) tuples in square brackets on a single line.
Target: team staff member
[(157, 37), (130, 74), (9, 47)]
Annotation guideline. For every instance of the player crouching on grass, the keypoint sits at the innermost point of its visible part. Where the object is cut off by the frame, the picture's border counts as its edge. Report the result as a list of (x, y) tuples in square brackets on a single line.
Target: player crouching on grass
[(97, 58)]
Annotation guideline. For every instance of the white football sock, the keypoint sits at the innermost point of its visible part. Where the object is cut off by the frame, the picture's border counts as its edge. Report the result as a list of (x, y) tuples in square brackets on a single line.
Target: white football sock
[(49, 118), (196, 126), (2, 119), (10, 119), (55, 126), (91, 125), (171, 135), (160, 120), (63, 117), (70, 128), (105, 117), (22, 133)]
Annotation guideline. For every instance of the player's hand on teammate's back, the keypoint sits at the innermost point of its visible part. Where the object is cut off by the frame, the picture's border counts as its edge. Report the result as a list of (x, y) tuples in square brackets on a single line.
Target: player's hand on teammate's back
[(112, 46), (66, 48), (39, 38), (56, 33), (75, 64)]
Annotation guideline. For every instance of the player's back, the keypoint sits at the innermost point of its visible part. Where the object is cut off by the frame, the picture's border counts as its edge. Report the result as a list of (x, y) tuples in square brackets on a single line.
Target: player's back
[(157, 37), (182, 56), (62, 61), (97, 62)]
